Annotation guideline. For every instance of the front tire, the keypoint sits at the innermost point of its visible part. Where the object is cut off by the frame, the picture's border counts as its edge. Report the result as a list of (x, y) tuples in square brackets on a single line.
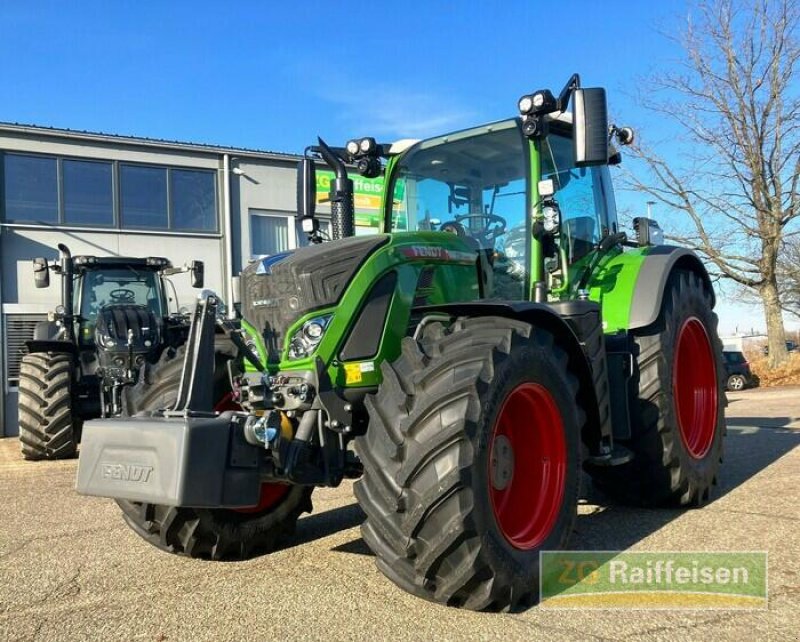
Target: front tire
[(208, 533), (678, 421), (471, 462), (47, 427)]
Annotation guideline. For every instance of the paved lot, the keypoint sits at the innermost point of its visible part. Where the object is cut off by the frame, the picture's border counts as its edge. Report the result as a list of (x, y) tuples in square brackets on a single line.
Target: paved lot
[(70, 569)]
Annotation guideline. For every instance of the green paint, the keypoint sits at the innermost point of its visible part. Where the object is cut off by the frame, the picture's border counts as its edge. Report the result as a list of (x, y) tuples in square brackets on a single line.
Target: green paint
[(453, 281), (612, 285), (535, 213)]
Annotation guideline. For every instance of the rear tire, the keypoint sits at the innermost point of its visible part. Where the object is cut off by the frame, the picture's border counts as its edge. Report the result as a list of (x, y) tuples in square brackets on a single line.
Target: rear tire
[(208, 533), (47, 428), (678, 422), (454, 456)]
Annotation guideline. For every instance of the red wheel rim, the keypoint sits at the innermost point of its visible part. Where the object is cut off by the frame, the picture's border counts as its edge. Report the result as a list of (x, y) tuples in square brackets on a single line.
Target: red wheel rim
[(694, 386), (527, 466), (271, 494), (227, 403)]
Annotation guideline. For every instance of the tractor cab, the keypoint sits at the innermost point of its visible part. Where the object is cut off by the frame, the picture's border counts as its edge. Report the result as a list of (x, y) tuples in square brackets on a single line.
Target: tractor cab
[(481, 183), (108, 285)]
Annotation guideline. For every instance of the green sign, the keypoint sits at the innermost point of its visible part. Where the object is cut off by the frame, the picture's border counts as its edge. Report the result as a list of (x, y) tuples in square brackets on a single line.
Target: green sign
[(665, 580), (367, 196)]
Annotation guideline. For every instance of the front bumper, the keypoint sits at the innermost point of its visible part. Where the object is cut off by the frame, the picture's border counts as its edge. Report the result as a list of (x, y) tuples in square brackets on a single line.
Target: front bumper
[(200, 462)]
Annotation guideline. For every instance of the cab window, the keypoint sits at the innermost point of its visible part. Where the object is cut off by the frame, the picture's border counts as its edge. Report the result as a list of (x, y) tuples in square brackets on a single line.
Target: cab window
[(101, 288), (472, 184), (583, 195)]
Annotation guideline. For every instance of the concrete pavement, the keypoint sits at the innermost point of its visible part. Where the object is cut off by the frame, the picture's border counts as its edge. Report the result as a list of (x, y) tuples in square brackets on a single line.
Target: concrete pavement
[(71, 570)]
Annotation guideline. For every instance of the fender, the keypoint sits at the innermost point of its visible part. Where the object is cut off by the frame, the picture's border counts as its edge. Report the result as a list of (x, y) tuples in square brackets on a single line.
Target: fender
[(46, 331), (630, 285), (52, 345)]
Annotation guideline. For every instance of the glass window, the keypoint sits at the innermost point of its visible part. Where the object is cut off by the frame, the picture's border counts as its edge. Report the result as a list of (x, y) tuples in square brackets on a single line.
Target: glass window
[(193, 200), (578, 194), (143, 196), (101, 288), (465, 178), (269, 234), (30, 188), (734, 358), (472, 184), (88, 193)]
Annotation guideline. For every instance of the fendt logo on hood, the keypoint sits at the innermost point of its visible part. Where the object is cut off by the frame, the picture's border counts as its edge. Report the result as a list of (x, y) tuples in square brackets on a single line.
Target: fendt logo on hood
[(126, 472)]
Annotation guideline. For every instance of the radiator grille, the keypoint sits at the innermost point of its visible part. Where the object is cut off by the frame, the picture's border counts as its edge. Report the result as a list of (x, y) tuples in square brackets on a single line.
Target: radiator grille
[(19, 329)]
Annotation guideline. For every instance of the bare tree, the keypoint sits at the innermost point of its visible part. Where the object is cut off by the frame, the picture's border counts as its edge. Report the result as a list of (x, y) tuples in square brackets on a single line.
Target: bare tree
[(789, 276), (736, 96)]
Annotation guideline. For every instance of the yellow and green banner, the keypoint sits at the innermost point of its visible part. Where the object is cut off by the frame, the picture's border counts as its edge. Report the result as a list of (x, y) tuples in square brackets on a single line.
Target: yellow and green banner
[(664, 580), (367, 194)]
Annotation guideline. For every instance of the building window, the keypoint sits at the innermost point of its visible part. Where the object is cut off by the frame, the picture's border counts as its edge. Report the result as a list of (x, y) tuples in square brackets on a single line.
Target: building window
[(30, 188), (193, 200), (70, 191), (269, 233), (88, 193), (143, 196)]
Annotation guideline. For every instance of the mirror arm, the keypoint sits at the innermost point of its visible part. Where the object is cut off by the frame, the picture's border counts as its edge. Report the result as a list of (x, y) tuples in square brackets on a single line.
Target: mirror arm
[(563, 98)]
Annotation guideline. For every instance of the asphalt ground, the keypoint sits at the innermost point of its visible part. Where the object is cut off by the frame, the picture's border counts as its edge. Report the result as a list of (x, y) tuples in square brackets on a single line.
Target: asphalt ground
[(71, 570)]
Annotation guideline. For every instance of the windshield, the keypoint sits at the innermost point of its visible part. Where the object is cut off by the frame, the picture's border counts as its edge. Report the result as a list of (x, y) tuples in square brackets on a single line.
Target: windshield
[(472, 184), (118, 286)]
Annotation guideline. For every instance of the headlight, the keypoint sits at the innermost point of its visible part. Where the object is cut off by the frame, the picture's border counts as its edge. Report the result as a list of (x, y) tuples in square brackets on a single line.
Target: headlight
[(307, 338)]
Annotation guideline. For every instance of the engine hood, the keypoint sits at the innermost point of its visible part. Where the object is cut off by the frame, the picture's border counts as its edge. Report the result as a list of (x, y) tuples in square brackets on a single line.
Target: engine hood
[(279, 289)]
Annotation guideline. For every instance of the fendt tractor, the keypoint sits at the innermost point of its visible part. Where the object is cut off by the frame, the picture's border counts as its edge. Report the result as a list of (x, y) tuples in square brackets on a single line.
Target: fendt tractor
[(499, 334), (113, 321)]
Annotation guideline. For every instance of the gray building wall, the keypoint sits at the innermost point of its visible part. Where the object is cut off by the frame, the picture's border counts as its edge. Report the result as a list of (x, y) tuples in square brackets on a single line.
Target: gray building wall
[(264, 181)]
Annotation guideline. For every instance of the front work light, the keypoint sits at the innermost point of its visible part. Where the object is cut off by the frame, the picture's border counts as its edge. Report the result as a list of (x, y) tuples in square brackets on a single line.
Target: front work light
[(307, 338)]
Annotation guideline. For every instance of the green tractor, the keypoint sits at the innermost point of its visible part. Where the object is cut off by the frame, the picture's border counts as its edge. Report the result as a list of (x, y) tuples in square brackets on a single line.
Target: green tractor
[(465, 364)]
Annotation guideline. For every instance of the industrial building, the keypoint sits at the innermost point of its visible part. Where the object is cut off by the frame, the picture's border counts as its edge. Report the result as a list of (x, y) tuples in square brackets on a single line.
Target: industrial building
[(124, 196)]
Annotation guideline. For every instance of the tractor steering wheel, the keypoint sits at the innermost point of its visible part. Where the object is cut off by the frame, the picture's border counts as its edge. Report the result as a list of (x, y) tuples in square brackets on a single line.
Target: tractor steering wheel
[(495, 226), (123, 295)]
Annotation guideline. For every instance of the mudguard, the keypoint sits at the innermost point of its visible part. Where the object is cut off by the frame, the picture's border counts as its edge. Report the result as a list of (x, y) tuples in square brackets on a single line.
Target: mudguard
[(630, 285)]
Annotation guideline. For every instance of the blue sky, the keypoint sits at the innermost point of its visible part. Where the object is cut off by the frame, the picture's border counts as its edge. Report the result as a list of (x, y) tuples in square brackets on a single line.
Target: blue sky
[(273, 75)]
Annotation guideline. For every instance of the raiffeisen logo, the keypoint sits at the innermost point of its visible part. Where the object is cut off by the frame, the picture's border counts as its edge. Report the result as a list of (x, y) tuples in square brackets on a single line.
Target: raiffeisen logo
[(664, 580)]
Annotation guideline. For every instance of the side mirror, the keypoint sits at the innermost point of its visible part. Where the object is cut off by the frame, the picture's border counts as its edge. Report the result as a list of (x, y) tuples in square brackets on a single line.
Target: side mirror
[(647, 231), (590, 126), (198, 270), (41, 273)]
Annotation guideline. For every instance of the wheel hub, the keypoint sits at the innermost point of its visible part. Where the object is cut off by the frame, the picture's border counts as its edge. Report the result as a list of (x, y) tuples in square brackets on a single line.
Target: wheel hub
[(502, 462)]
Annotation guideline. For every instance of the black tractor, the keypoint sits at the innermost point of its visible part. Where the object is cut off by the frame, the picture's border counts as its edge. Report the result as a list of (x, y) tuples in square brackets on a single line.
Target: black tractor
[(113, 322)]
